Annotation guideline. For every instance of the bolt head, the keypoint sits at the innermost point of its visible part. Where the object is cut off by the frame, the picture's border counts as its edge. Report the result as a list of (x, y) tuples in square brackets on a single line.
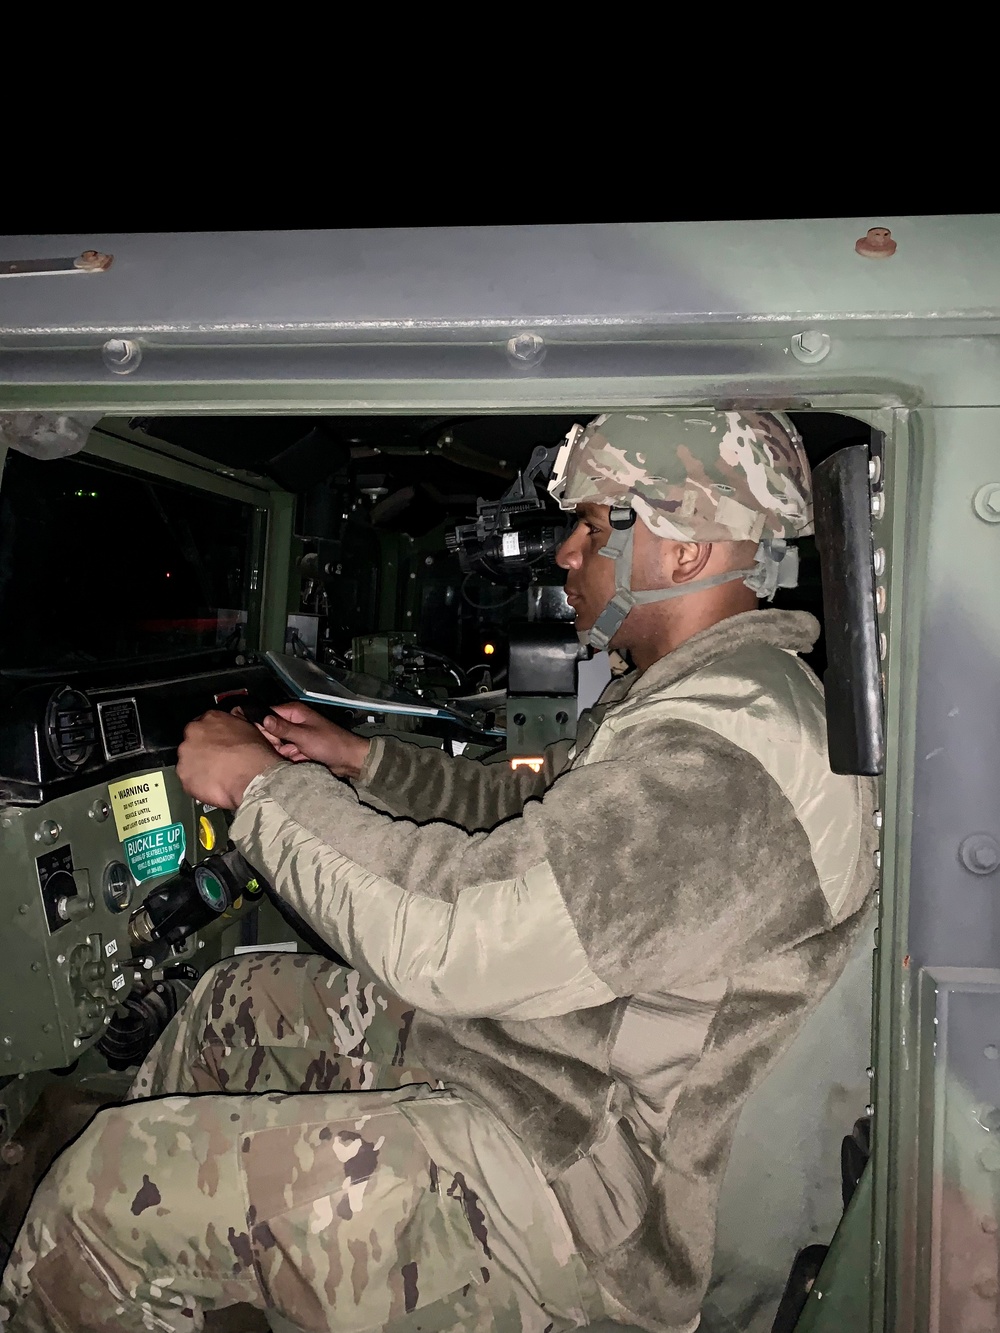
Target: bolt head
[(810, 346), (122, 356), (526, 349), (77, 1042), (986, 502), (980, 853)]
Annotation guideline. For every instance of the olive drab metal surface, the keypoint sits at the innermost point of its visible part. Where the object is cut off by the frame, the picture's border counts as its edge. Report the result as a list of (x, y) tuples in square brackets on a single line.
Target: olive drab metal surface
[(890, 321)]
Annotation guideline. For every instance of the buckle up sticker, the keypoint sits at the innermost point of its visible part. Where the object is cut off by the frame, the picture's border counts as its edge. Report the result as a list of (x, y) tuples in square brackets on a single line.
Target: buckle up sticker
[(153, 844)]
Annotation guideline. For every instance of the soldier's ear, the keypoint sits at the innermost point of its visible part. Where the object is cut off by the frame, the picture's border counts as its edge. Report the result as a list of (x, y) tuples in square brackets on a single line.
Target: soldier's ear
[(689, 560)]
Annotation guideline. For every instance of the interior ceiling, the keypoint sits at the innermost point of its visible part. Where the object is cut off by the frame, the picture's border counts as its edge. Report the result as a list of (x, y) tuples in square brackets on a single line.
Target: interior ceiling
[(456, 454), (454, 459)]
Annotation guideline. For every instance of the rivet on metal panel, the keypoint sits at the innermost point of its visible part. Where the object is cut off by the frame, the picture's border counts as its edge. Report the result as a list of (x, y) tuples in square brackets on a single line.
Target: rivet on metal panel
[(878, 560), (23, 910), (99, 811), (121, 355), (870, 1109), (60, 958), (876, 244), (878, 819), (880, 600), (979, 853), (526, 349), (986, 502), (12, 1153), (870, 1072), (878, 859), (883, 646), (875, 470), (77, 1042), (878, 505), (810, 346), (989, 1158), (991, 1052), (987, 1288)]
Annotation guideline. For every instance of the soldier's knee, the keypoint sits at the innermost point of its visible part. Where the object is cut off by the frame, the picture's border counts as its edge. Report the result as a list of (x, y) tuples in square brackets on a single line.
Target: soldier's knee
[(89, 1168)]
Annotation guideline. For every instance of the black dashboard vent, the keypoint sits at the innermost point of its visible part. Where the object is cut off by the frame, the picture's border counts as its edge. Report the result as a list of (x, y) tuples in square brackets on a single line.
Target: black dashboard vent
[(69, 729)]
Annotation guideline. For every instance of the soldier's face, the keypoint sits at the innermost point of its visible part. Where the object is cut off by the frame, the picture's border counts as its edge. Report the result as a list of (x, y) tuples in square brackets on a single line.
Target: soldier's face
[(590, 577)]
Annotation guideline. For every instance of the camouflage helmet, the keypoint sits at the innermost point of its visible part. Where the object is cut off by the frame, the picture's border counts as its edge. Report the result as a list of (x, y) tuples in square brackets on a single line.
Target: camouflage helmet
[(692, 474)]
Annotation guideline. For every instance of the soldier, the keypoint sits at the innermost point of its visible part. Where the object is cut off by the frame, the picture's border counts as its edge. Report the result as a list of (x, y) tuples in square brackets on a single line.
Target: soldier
[(515, 1112)]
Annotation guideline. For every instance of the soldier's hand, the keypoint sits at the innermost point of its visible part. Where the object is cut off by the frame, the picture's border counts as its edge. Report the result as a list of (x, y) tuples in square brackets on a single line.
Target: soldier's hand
[(305, 734), (220, 756)]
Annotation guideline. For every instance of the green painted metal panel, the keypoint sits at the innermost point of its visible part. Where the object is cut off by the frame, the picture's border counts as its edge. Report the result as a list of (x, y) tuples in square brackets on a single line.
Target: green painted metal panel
[(840, 1301)]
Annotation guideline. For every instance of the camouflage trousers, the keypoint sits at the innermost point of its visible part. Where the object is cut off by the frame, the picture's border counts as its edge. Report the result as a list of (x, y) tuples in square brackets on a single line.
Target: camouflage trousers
[(364, 1199)]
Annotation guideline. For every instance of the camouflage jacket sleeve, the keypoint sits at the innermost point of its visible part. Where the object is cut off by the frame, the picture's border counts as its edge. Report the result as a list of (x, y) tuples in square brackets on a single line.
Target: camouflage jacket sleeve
[(675, 857), (422, 784)]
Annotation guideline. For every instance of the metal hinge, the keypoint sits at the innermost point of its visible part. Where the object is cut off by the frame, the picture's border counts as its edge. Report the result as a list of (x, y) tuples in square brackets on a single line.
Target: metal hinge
[(91, 261)]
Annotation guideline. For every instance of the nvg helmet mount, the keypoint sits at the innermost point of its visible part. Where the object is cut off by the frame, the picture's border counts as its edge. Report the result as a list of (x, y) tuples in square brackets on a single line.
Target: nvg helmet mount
[(691, 475)]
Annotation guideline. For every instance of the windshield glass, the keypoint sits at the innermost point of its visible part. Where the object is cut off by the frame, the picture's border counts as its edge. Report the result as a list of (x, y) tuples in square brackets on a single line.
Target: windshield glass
[(100, 565)]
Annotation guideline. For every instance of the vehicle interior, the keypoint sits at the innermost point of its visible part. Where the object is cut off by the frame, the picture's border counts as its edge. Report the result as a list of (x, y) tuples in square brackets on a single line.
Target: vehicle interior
[(397, 572)]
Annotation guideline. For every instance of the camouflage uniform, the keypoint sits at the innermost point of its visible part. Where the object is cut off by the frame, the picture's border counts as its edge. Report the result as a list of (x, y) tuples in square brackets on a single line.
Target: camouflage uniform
[(348, 1207)]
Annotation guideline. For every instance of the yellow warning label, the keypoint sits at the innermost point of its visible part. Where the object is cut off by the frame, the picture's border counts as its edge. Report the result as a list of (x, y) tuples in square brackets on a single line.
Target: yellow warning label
[(139, 804)]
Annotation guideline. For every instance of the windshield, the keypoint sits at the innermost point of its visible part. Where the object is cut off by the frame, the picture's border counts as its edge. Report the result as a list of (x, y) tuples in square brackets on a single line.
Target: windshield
[(100, 565)]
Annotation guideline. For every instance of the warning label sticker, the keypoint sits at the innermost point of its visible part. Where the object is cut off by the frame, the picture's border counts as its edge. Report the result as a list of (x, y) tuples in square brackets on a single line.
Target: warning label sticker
[(159, 852), (139, 804)]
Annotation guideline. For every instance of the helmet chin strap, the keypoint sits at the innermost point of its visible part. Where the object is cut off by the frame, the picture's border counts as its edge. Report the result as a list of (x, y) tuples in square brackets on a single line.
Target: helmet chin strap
[(776, 566)]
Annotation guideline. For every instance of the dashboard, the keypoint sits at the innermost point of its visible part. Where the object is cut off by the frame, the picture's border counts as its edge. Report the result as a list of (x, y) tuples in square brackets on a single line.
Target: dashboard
[(92, 819)]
